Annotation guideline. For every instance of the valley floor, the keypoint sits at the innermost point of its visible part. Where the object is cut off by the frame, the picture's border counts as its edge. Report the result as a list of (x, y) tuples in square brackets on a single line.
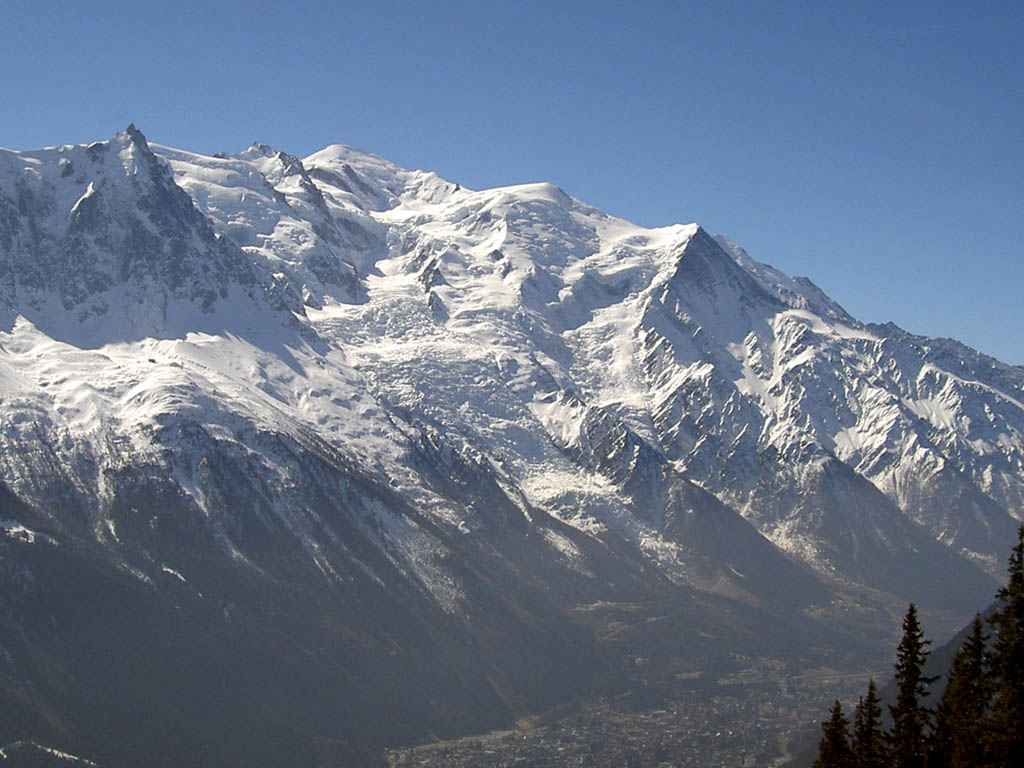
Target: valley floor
[(729, 723)]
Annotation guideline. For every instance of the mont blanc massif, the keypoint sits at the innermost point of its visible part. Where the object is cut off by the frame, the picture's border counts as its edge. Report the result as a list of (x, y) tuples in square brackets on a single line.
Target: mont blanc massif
[(301, 459)]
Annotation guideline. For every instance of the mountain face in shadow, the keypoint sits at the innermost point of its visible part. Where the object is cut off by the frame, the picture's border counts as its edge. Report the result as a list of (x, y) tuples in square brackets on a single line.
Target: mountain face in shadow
[(300, 457)]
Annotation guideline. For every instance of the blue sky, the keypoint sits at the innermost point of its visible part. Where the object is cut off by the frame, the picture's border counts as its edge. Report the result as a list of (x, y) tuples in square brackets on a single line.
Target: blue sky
[(876, 147)]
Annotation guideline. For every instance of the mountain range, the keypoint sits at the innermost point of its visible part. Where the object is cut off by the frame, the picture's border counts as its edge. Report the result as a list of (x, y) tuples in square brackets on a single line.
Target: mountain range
[(299, 457)]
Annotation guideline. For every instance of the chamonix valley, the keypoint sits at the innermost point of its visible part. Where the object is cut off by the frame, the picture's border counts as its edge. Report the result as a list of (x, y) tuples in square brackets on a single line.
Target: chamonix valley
[(305, 458)]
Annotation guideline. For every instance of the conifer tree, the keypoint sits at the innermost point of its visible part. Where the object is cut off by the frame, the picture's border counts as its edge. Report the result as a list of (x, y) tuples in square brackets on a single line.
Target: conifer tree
[(960, 719), (868, 739), (1007, 664), (910, 717), (834, 747)]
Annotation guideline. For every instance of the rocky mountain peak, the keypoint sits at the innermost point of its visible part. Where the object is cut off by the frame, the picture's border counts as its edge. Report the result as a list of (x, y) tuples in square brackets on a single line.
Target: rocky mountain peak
[(386, 433)]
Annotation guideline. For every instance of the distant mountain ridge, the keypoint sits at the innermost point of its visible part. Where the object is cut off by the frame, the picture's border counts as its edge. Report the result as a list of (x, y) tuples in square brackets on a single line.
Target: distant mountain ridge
[(410, 442)]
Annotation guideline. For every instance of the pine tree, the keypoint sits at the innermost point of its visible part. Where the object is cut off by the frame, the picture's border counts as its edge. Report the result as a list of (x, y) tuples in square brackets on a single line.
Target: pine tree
[(1007, 664), (960, 719), (834, 747), (868, 739), (910, 717)]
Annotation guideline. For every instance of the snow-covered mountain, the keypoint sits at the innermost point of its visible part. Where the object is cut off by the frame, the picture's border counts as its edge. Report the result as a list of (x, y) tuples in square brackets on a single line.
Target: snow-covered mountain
[(450, 448)]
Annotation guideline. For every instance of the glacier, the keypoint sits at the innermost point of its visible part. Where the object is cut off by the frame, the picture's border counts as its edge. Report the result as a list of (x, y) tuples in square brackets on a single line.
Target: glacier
[(410, 437)]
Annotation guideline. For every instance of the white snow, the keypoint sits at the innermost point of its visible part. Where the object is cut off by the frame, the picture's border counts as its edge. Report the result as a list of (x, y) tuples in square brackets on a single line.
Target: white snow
[(501, 318), (15, 530)]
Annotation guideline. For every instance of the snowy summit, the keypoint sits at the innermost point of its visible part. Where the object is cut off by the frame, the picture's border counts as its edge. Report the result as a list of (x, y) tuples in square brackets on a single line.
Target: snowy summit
[(333, 371)]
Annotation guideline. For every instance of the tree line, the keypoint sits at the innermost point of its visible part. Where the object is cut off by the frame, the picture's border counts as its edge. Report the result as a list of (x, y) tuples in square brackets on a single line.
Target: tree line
[(979, 719)]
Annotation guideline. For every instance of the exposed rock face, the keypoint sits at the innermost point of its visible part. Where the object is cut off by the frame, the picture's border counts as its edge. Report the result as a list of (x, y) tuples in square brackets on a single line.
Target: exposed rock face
[(375, 456)]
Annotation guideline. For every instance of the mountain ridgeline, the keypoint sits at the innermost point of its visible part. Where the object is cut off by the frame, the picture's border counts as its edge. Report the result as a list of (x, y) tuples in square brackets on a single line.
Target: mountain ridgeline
[(300, 457)]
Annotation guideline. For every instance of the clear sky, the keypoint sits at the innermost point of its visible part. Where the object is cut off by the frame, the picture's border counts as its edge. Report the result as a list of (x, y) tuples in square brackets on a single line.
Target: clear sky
[(876, 147)]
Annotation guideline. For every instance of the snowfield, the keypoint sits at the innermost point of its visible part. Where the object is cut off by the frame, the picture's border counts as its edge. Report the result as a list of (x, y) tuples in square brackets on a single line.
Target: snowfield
[(584, 363), (301, 454)]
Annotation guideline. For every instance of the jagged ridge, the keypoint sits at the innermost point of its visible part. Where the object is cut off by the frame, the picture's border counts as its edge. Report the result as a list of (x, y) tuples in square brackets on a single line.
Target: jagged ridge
[(353, 385)]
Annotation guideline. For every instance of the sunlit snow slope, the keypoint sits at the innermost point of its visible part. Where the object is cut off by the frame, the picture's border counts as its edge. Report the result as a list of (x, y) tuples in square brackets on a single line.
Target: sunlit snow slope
[(334, 370)]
